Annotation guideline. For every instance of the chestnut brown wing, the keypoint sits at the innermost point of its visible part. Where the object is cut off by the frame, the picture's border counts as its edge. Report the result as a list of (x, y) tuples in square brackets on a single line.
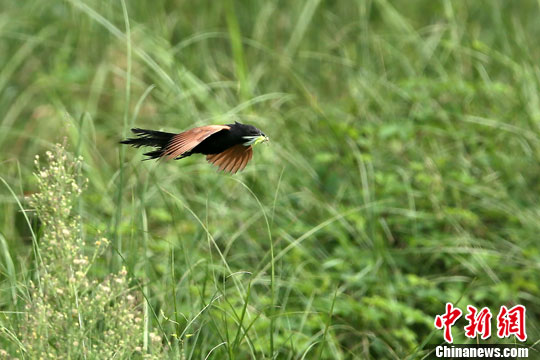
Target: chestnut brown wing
[(187, 140), (233, 159)]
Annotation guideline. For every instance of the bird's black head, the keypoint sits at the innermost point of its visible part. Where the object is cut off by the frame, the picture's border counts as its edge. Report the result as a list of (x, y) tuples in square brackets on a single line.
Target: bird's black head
[(249, 133)]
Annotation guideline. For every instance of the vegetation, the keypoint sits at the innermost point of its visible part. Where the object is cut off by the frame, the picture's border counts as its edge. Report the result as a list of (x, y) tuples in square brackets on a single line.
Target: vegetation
[(67, 313), (402, 174)]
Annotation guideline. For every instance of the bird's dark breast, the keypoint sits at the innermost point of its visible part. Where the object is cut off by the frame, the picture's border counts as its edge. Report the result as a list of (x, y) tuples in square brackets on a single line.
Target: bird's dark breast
[(216, 143)]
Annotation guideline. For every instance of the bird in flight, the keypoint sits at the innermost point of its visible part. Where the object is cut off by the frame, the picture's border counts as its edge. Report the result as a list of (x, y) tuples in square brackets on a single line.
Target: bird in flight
[(229, 147)]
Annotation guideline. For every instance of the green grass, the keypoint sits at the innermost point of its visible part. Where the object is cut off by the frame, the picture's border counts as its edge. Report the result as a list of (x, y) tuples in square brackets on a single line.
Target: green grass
[(402, 171)]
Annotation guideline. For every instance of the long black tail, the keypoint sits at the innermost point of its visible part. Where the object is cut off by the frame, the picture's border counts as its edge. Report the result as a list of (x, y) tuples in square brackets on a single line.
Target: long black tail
[(156, 139)]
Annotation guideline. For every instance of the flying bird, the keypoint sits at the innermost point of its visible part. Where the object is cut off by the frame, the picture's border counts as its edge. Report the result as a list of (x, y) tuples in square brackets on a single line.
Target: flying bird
[(229, 147)]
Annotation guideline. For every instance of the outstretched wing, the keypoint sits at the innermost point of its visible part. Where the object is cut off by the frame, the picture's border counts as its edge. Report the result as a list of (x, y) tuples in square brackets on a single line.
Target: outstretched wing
[(233, 159), (187, 140)]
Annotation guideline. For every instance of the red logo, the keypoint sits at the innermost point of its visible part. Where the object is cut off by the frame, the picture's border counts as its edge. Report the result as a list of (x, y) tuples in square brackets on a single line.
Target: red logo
[(447, 320), (479, 323), (509, 322), (512, 322)]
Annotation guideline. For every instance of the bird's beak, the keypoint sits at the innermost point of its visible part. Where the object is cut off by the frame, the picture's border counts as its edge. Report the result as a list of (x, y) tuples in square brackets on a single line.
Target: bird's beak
[(261, 139), (254, 140)]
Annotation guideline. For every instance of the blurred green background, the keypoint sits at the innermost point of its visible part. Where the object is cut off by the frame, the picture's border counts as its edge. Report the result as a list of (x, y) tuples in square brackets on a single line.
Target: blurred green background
[(402, 173)]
